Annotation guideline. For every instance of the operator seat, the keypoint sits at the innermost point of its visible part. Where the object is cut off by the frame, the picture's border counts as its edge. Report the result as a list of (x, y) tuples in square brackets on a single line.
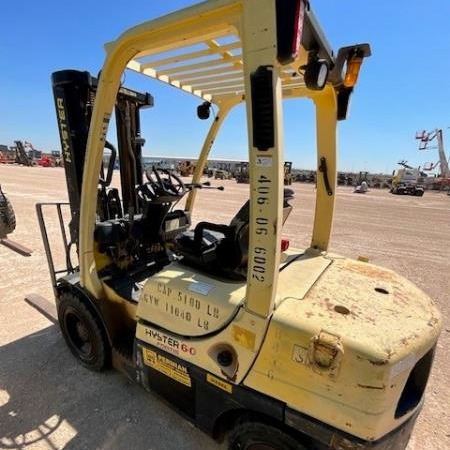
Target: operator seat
[(223, 249)]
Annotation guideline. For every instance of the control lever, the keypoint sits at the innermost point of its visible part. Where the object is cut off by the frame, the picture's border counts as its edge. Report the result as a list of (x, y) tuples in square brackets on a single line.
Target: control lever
[(219, 188), (205, 185)]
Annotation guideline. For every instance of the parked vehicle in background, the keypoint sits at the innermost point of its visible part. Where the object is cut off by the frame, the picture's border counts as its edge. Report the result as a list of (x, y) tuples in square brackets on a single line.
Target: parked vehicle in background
[(406, 181)]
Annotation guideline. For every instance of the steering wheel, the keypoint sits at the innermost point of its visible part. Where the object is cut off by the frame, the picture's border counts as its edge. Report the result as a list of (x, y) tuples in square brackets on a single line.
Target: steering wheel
[(165, 182)]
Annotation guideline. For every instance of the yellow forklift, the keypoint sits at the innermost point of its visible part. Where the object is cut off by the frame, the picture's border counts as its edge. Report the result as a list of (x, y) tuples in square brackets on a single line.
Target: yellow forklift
[(274, 347)]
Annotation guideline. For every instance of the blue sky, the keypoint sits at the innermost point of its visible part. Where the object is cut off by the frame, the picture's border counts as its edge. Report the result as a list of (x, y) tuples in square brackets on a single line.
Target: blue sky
[(403, 87)]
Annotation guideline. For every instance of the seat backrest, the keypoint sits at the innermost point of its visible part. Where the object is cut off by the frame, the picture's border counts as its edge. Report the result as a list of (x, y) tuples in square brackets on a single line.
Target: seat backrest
[(243, 215), (233, 250)]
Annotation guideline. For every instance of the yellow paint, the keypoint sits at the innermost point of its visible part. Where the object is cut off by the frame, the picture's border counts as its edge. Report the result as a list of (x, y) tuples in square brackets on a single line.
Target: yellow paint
[(198, 350), (258, 34), (224, 108), (376, 346), (326, 123), (252, 26), (243, 337), (172, 300)]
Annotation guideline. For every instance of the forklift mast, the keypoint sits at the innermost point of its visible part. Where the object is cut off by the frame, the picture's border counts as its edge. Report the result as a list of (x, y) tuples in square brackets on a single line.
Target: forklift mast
[(74, 93), (21, 154)]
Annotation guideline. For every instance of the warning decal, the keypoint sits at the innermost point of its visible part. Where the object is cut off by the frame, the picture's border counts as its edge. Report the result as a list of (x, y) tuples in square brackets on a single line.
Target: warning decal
[(167, 367), (219, 383)]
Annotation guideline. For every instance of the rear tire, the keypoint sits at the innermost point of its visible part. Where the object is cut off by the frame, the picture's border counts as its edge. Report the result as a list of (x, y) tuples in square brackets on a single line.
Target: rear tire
[(259, 436), (83, 332)]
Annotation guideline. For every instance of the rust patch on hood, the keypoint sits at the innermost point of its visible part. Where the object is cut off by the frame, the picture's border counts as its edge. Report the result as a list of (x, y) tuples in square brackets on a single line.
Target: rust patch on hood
[(365, 386), (370, 271), (380, 362)]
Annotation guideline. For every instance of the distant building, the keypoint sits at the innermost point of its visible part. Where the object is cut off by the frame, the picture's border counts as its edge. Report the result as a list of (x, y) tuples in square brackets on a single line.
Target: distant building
[(172, 162)]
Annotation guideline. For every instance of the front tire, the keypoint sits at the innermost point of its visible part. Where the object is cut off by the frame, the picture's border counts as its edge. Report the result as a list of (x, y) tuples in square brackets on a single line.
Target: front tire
[(259, 436), (83, 332)]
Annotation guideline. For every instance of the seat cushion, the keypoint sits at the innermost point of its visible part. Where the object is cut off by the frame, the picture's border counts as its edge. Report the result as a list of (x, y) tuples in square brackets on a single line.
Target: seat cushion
[(186, 240)]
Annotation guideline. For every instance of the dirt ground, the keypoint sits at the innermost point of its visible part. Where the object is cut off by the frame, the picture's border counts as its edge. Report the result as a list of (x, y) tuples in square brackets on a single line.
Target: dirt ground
[(48, 401)]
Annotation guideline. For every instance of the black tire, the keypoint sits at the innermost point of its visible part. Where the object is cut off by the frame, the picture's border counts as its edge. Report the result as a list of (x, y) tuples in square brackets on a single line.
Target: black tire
[(84, 333), (260, 436), (7, 216)]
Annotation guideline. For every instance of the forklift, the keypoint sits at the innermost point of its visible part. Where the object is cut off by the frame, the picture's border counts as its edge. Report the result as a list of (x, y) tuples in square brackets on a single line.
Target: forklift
[(242, 173), (269, 346), (22, 157), (287, 179)]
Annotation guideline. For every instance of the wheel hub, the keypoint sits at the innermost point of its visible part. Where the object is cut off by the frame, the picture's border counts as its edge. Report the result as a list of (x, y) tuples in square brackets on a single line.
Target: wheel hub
[(78, 333)]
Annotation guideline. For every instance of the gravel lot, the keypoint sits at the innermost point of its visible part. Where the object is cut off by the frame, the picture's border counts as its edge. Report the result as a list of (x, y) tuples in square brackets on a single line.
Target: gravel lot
[(48, 401)]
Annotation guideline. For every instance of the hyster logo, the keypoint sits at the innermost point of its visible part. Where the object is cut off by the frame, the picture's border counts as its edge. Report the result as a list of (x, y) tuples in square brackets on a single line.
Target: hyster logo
[(170, 344), (62, 120)]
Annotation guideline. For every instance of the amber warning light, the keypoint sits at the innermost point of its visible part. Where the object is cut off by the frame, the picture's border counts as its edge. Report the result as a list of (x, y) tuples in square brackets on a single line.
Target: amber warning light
[(290, 14), (353, 67)]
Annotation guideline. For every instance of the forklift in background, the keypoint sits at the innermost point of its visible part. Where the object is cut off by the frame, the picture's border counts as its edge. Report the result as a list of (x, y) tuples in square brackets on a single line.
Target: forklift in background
[(276, 347), (288, 173), (362, 185), (362, 177), (22, 156), (242, 173)]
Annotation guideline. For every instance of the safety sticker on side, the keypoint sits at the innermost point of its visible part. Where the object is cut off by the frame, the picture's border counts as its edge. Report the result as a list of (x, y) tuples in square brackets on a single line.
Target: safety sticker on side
[(219, 383), (167, 367)]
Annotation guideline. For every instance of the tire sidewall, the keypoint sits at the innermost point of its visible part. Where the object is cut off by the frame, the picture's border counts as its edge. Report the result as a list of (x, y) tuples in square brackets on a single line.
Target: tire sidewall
[(248, 434), (71, 306), (7, 216)]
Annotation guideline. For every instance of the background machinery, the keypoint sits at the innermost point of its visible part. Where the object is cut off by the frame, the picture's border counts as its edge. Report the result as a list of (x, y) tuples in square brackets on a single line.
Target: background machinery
[(407, 181), (186, 168), (22, 157), (285, 349), (288, 177), (242, 173), (442, 179), (362, 184)]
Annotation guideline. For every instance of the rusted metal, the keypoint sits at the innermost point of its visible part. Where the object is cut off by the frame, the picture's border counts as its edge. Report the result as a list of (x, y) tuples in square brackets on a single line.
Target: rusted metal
[(371, 271), (15, 246), (44, 306)]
